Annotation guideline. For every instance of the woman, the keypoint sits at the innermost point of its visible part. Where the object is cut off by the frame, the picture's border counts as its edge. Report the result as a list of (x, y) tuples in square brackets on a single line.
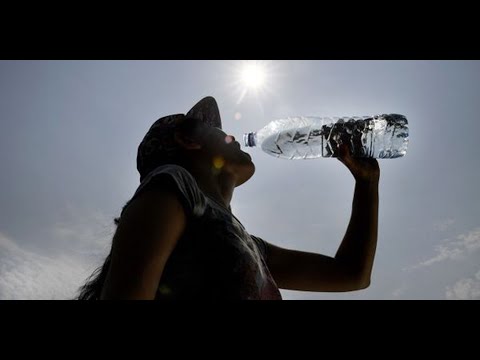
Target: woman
[(178, 239)]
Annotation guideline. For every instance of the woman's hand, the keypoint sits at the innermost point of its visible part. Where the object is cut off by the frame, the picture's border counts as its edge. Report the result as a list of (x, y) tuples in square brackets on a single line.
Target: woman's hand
[(362, 169)]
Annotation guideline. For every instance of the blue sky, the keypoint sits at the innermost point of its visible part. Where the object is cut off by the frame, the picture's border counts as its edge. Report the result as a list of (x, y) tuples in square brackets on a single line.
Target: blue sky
[(70, 131)]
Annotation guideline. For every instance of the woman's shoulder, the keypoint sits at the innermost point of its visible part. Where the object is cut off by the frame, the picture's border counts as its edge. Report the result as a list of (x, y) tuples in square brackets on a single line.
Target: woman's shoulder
[(171, 169), (178, 180)]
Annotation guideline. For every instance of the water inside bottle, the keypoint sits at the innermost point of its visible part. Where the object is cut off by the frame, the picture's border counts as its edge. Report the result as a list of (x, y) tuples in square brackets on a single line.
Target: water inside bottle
[(383, 137)]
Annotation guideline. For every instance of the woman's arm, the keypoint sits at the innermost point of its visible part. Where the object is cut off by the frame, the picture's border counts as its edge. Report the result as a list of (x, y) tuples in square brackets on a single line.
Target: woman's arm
[(351, 267), (146, 236)]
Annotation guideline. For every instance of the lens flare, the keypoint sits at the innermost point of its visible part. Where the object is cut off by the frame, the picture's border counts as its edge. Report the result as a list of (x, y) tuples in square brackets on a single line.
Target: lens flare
[(218, 162)]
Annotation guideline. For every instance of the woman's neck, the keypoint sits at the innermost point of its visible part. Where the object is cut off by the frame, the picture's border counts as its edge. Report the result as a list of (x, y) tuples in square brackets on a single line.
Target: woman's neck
[(217, 185)]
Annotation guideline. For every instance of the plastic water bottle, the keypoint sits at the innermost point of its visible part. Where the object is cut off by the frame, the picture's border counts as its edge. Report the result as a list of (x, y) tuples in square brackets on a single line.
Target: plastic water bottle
[(381, 136)]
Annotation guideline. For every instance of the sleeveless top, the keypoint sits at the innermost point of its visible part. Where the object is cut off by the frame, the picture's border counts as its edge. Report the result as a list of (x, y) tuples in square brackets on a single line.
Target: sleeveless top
[(216, 258)]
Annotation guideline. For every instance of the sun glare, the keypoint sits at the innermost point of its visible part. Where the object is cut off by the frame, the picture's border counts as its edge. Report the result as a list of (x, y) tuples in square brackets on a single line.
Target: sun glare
[(253, 75)]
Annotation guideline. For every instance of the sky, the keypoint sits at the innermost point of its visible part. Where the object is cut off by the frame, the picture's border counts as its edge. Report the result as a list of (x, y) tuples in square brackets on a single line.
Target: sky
[(70, 132)]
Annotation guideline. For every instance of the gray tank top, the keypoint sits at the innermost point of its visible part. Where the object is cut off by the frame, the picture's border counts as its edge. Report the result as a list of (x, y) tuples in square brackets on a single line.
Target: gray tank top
[(216, 258)]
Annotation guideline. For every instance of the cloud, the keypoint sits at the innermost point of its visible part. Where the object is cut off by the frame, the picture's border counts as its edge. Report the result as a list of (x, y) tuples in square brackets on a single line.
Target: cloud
[(84, 232), (471, 241), (26, 275), (444, 225), (465, 289), (399, 291), (56, 271), (456, 249)]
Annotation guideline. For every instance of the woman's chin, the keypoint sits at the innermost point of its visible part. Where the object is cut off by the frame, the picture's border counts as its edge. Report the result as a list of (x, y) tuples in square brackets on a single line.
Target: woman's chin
[(245, 172)]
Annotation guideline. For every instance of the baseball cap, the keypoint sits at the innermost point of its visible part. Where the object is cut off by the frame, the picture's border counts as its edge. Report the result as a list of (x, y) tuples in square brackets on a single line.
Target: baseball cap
[(159, 147)]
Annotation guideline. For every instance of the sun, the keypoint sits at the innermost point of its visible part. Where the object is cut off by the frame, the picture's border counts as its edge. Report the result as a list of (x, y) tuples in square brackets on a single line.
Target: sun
[(253, 75)]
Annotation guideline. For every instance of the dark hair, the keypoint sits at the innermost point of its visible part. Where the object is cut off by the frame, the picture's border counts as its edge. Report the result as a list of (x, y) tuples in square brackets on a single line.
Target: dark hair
[(93, 286)]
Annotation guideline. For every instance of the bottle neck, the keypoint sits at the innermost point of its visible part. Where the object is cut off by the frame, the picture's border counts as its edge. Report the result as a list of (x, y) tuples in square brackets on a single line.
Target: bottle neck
[(250, 139)]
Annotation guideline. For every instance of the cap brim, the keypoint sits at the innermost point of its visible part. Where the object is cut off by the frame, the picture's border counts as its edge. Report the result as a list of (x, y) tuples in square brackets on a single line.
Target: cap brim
[(206, 110)]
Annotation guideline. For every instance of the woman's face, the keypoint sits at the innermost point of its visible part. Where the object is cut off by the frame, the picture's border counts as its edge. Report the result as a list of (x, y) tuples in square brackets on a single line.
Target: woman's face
[(226, 153)]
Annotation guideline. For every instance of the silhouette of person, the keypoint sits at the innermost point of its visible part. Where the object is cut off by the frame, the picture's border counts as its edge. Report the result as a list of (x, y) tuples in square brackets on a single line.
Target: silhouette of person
[(177, 237)]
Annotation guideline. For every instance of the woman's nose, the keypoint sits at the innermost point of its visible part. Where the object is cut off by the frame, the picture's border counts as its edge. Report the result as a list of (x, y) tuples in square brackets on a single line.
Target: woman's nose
[(229, 139)]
